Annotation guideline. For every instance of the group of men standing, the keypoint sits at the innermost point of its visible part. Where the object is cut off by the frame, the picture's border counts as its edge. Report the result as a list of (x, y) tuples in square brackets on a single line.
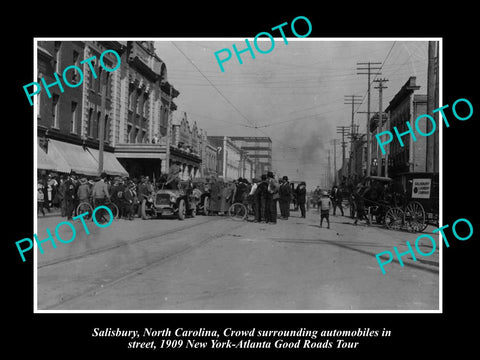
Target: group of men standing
[(71, 190), (265, 194)]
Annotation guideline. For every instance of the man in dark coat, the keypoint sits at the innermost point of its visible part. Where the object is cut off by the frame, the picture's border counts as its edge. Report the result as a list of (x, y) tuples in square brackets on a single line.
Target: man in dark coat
[(285, 198), (69, 198), (260, 198), (270, 201), (360, 207), (142, 193), (173, 178), (336, 196), (129, 198), (301, 192)]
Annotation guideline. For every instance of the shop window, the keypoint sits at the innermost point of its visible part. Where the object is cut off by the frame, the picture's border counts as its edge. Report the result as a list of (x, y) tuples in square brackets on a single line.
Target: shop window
[(73, 118), (56, 58), (55, 111), (135, 135), (89, 122), (129, 133)]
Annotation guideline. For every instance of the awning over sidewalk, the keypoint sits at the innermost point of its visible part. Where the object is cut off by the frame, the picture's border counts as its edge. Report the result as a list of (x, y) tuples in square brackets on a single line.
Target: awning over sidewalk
[(69, 157), (43, 160), (111, 165)]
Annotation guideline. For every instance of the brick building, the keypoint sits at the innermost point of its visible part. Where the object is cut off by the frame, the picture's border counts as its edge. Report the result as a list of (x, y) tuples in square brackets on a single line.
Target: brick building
[(405, 107), (68, 117)]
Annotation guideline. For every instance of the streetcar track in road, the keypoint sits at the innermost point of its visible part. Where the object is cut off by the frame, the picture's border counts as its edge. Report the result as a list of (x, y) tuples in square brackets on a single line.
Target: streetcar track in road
[(120, 244), (97, 289)]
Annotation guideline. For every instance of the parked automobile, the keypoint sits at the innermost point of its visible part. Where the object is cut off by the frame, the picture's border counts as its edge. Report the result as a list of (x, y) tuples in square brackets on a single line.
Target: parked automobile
[(178, 203), (202, 191)]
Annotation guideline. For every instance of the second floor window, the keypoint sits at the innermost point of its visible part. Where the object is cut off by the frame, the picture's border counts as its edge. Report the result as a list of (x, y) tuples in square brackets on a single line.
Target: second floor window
[(55, 112)]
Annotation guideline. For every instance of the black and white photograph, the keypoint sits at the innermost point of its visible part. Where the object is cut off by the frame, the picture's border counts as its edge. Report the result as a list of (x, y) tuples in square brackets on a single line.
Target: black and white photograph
[(256, 174), (220, 180)]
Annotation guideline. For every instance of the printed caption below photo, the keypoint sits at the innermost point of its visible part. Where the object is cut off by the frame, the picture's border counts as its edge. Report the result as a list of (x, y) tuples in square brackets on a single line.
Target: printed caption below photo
[(228, 338)]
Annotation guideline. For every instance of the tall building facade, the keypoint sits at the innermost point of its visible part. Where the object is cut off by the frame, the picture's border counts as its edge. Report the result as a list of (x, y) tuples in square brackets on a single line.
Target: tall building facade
[(232, 161), (71, 119), (404, 108), (144, 106), (258, 149)]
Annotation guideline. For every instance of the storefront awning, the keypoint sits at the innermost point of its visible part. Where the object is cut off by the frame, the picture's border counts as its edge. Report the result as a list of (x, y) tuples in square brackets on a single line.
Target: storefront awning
[(111, 165), (43, 160), (69, 157)]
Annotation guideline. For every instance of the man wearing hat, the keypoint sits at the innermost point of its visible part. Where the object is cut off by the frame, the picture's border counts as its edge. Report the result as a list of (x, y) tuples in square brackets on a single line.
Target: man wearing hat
[(285, 198), (142, 192), (271, 199), (117, 192), (173, 177), (260, 198), (100, 193), (83, 191), (70, 196), (301, 192), (129, 200)]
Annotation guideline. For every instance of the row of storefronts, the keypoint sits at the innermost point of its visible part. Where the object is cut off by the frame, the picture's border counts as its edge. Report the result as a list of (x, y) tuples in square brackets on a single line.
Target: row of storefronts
[(399, 162), (133, 107)]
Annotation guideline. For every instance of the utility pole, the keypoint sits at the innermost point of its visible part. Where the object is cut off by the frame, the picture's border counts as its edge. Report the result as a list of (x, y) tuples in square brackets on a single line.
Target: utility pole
[(369, 68), (169, 131), (380, 88), (334, 143), (101, 135), (101, 130), (352, 100), (344, 130), (431, 105), (329, 172)]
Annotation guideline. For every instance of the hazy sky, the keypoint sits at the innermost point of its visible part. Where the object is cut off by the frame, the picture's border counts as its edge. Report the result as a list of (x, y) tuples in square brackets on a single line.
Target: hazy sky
[(294, 94)]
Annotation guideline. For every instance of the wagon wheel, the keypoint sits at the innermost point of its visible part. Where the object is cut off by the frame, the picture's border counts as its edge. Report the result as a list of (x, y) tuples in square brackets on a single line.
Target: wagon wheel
[(414, 216), (394, 218)]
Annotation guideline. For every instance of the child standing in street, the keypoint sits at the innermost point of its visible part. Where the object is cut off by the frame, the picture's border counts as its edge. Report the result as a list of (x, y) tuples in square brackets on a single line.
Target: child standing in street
[(325, 204)]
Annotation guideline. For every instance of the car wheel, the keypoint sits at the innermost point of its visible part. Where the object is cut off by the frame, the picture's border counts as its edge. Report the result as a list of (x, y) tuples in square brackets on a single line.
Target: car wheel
[(144, 210), (181, 210)]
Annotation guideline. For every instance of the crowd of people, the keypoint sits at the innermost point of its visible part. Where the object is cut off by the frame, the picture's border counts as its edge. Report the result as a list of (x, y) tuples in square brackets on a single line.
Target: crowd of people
[(66, 192), (263, 195)]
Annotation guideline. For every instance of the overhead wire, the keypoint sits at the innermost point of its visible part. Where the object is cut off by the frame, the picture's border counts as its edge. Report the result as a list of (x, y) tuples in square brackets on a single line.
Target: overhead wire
[(213, 85)]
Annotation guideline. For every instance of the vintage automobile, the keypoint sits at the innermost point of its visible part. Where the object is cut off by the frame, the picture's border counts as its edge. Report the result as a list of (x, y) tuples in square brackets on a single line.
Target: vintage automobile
[(164, 202), (201, 190)]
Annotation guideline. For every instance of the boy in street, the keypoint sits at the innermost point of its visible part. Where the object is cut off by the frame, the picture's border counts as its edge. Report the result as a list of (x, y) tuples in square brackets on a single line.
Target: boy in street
[(324, 205)]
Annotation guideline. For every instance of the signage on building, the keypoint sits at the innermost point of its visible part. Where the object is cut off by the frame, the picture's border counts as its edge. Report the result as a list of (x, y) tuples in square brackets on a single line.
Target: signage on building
[(421, 188)]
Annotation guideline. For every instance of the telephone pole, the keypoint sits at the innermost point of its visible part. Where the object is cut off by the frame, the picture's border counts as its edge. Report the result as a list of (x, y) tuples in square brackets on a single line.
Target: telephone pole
[(367, 66), (334, 143), (352, 100), (432, 103), (329, 172), (344, 130), (380, 88)]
